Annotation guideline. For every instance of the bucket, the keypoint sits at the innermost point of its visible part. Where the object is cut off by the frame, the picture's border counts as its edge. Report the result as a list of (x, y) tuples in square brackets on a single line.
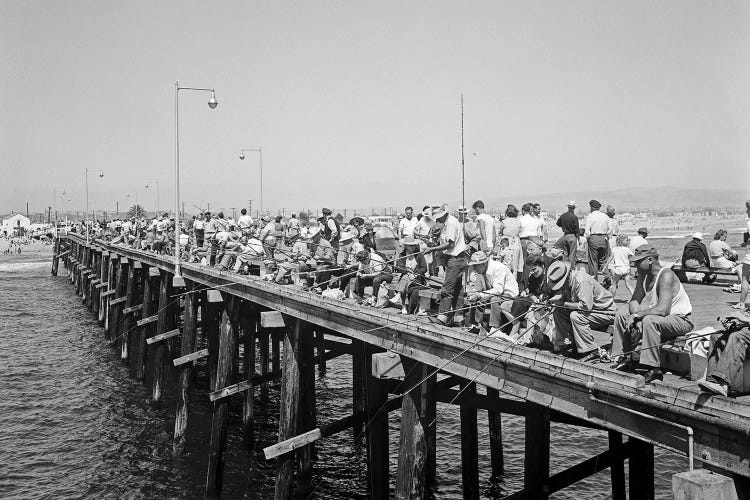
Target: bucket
[(184, 240)]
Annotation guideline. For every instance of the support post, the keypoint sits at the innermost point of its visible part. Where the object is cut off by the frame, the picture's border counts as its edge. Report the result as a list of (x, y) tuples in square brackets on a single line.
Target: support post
[(412, 449), (249, 326), (161, 352), (115, 319), (495, 420), (376, 396), (56, 257), (297, 355), (617, 468), (469, 446), (131, 291), (307, 404), (263, 339), (276, 340), (210, 325), (219, 419), (186, 370), (641, 470), (358, 387), (320, 348), (429, 398), (536, 466), (150, 305)]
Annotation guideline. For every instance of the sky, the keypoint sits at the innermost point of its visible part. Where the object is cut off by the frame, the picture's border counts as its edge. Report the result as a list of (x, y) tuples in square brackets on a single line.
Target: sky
[(358, 104)]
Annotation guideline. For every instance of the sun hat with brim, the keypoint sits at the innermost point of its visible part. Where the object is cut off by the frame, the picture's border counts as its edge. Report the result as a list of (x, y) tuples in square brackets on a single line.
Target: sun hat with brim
[(427, 212), (438, 212), (478, 258), (698, 236), (557, 274), (571, 203), (356, 221), (644, 251)]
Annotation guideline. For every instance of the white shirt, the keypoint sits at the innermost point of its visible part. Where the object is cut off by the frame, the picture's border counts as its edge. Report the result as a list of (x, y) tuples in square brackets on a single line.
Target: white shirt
[(497, 281), (453, 232), (487, 222), (245, 221), (376, 264), (636, 241), (530, 226), (199, 224), (406, 226), (597, 222)]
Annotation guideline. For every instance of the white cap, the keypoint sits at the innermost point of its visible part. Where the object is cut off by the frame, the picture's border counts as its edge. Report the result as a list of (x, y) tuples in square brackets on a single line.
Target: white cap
[(571, 203), (698, 236)]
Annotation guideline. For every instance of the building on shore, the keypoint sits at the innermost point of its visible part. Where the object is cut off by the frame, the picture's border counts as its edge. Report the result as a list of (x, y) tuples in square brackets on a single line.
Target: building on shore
[(16, 225)]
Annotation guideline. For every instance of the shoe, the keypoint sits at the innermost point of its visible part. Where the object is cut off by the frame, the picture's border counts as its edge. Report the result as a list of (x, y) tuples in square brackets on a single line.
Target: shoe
[(626, 365), (440, 319), (653, 374), (713, 387), (404, 311)]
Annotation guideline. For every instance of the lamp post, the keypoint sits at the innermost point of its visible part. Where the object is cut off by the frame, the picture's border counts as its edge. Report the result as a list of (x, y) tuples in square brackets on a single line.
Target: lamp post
[(54, 198), (178, 281), (101, 174), (242, 157), (157, 193)]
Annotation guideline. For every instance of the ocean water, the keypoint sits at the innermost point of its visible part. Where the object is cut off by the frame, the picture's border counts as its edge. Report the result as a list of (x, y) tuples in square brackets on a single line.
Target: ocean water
[(73, 424)]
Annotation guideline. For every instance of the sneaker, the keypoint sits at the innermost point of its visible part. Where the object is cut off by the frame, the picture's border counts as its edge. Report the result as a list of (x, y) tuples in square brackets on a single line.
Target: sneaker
[(714, 387), (404, 311)]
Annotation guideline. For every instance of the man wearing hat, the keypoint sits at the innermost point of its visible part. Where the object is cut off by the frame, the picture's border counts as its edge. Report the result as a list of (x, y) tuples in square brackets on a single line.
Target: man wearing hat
[(331, 230), (568, 242), (321, 259), (695, 253), (490, 282), (586, 304), (659, 310), (639, 239), (268, 235), (372, 271), (455, 257), (597, 234)]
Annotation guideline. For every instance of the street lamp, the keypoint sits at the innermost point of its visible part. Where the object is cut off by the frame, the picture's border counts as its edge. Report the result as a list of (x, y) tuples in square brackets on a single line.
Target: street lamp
[(101, 174), (54, 198), (178, 281), (157, 193), (242, 157)]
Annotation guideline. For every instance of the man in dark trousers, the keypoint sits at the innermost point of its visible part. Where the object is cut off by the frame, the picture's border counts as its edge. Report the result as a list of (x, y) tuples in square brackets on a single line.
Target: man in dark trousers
[(597, 234), (568, 242)]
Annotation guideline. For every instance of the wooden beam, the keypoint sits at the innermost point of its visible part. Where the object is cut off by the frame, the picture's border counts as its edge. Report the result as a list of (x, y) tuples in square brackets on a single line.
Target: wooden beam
[(376, 397), (616, 466), (588, 468), (495, 424), (536, 463), (150, 319), (641, 469), (165, 326), (163, 336), (309, 437), (469, 447), (120, 300), (203, 353), (132, 309), (412, 449), (249, 327)]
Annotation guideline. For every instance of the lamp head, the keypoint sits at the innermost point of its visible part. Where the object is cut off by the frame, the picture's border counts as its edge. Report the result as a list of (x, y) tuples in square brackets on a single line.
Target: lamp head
[(242, 155), (101, 173), (212, 102)]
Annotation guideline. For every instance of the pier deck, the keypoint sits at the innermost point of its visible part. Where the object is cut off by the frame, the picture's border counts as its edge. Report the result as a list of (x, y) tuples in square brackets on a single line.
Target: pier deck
[(539, 385)]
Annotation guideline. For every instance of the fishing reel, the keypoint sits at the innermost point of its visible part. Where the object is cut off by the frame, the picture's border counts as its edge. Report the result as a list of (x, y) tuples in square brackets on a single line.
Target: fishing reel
[(733, 324)]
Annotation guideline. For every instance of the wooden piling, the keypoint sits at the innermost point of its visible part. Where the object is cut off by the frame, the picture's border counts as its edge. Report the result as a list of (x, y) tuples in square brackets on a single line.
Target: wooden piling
[(410, 479), (298, 354), (536, 465), (263, 339), (469, 446), (210, 325), (151, 279), (219, 419), (121, 287), (249, 326), (276, 339), (495, 421), (105, 286), (320, 348), (56, 257), (187, 346), (376, 396), (131, 292), (307, 405), (358, 387), (429, 412), (641, 470), (161, 355), (617, 468)]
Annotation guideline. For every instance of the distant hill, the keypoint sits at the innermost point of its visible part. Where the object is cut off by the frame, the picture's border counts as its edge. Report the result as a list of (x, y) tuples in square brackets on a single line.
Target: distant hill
[(631, 199)]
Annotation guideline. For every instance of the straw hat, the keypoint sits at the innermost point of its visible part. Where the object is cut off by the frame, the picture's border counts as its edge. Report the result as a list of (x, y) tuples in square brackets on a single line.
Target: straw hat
[(557, 274), (438, 212), (698, 236), (409, 239), (478, 258)]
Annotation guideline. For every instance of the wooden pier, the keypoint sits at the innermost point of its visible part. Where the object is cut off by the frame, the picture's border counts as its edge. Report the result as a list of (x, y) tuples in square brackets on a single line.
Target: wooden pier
[(398, 362)]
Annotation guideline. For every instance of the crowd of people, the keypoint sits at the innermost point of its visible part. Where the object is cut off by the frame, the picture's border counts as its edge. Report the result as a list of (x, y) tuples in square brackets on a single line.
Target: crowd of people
[(498, 276)]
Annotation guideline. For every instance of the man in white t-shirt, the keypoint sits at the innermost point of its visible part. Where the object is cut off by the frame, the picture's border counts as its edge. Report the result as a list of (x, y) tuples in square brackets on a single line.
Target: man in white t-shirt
[(486, 226), (455, 256), (245, 222), (407, 224), (639, 239)]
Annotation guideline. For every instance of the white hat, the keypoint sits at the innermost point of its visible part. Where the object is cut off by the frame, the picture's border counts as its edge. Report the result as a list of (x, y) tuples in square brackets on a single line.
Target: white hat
[(698, 236), (571, 203), (438, 212)]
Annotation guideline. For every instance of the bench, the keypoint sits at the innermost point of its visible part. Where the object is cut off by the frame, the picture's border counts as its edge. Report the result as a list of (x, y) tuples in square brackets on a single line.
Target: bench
[(681, 272)]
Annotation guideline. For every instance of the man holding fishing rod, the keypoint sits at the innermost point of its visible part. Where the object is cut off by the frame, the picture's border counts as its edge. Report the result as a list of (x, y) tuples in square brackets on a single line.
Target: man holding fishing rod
[(659, 310)]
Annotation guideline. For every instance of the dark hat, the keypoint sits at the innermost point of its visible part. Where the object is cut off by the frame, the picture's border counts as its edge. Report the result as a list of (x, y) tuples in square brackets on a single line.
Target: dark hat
[(362, 255), (643, 230), (326, 211), (356, 221), (644, 251), (595, 204)]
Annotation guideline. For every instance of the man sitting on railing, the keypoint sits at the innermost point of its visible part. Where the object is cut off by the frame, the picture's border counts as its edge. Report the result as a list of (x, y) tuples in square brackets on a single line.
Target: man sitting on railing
[(299, 254), (321, 259), (249, 249)]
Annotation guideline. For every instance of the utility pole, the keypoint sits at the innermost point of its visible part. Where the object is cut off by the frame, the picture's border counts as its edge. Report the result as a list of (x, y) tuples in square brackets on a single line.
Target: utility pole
[(27, 209), (234, 212), (118, 209), (250, 207), (49, 215)]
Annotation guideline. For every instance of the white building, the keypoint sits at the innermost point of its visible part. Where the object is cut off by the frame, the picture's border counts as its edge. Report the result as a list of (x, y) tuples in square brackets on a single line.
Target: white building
[(16, 225)]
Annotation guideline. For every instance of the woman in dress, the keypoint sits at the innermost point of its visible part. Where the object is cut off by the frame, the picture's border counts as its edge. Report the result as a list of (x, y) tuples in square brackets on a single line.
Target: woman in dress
[(510, 228)]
